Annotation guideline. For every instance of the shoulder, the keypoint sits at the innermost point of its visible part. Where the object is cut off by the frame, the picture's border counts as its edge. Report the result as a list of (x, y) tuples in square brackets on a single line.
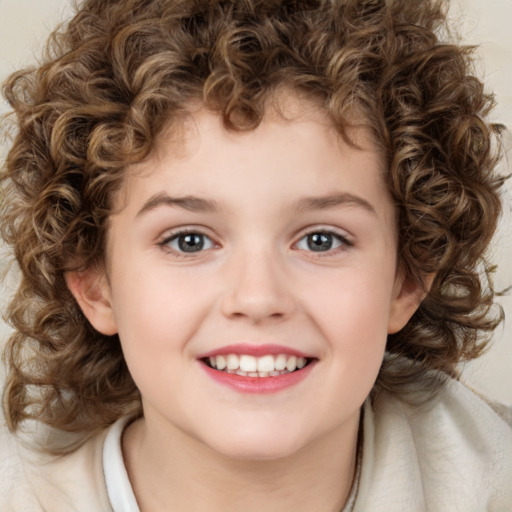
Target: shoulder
[(453, 455), (32, 482)]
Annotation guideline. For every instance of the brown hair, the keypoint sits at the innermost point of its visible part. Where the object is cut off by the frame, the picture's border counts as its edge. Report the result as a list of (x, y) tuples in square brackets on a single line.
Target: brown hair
[(121, 70)]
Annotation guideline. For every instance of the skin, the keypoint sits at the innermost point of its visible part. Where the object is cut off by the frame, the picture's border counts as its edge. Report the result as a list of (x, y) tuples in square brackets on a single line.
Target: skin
[(204, 446)]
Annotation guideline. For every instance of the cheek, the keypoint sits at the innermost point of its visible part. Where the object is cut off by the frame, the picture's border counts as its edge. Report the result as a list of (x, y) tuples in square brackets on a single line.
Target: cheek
[(358, 302), (158, 309), (156, 317), (352, 315)]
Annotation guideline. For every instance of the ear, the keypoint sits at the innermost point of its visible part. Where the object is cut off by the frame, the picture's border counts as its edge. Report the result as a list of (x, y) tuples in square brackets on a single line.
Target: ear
[(408, 294), (92, 292)]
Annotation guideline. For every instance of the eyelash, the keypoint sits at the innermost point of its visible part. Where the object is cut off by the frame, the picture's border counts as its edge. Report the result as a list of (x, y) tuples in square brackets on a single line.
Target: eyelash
[(176, 235), (342, 242)]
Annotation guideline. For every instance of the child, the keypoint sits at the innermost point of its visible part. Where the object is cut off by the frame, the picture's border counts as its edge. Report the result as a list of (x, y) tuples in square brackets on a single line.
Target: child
[(252, 239)]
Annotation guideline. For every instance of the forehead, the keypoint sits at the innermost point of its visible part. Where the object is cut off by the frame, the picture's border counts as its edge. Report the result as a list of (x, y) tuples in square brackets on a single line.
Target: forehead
[(183, 134), (296, 139)]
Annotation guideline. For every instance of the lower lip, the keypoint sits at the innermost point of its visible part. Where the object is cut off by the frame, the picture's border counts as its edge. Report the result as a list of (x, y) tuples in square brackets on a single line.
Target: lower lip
[(259, 385)]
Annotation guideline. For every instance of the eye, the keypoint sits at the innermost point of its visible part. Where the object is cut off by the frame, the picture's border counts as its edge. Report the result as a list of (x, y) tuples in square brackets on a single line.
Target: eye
[(322, 241), (188, 242)]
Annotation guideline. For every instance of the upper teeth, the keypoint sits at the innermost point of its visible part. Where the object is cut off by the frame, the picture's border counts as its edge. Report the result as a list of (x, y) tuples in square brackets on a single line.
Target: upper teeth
[(251, 364)]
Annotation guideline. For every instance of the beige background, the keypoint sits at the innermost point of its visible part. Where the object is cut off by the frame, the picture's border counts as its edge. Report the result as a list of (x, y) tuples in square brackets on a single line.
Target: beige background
[(24, 25)]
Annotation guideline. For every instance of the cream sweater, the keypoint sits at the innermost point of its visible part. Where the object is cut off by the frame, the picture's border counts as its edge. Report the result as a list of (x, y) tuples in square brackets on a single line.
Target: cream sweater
[(455, 456)]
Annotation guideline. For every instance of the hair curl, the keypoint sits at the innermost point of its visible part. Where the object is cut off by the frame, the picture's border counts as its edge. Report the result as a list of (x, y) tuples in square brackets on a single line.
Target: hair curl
[(121, 70)]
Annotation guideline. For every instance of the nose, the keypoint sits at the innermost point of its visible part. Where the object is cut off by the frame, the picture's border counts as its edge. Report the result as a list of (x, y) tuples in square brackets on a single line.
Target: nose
[(259, 289)]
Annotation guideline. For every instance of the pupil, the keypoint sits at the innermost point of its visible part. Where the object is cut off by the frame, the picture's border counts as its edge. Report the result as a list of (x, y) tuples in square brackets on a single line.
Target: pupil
[(319, 242), (191, 242)]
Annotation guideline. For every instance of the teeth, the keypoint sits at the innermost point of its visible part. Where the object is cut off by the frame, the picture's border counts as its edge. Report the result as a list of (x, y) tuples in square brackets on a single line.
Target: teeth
[(220, 362), (248, 363), (280, 363), (232, 362), (291, 364), (265, 364), (251, 366)]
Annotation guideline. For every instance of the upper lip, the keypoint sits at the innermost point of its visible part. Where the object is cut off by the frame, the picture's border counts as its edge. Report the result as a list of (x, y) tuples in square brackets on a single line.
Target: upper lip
[(254, 350)]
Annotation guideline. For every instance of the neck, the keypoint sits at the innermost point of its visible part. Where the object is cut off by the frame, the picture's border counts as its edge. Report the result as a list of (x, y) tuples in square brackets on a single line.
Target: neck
[(193, 477)]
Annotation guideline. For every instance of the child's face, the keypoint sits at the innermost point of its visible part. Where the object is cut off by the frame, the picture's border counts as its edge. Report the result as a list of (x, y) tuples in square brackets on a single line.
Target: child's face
[(277, 241)]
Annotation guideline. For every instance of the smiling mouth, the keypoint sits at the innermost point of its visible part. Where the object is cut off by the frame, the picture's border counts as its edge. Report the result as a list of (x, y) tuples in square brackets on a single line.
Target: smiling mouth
[(246, 365)]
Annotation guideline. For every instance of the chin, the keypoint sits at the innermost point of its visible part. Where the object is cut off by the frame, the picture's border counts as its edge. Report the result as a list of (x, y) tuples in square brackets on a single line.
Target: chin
[(260, 446), (245, 452)]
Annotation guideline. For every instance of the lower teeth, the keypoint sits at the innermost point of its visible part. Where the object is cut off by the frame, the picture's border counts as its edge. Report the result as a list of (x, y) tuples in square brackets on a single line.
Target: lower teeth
[(256, 374)]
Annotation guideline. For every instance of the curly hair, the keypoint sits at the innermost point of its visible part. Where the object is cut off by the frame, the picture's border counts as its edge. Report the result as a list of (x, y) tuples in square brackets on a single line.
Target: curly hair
[(120, 71)]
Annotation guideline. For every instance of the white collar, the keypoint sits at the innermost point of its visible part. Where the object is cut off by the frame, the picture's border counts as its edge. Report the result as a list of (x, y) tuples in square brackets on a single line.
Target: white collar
[(119, 489)]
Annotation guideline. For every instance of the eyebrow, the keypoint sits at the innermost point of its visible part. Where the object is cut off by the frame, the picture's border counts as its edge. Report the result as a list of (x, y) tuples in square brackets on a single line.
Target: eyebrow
[(191, 203), (331, 201), (199, 204)]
